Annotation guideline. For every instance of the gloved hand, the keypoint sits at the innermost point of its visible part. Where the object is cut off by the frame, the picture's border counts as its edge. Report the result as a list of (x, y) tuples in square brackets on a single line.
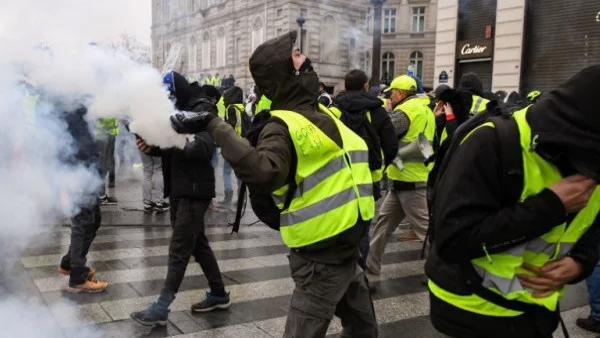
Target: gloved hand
[(191, 123)]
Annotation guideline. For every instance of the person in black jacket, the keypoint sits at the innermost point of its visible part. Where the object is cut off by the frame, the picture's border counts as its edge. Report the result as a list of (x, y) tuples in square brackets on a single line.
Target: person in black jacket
[(355, 103), (190, 185), (86, 223), (477, 215)]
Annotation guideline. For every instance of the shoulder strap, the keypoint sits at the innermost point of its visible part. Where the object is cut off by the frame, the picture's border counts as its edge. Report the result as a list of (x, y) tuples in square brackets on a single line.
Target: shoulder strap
[(510, 155)]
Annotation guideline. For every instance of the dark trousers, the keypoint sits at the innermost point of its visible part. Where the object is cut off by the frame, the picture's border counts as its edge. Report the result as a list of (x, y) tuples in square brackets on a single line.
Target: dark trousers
[(83, 231), (363, 247), (325, 290), (187, 220)]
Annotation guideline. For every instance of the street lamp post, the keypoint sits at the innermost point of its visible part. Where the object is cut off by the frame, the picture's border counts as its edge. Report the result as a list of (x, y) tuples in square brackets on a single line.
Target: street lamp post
[(300, 20), (376, 76)]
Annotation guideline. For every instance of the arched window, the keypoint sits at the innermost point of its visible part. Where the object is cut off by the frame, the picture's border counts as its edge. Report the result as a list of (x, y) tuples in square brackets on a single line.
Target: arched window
[(221, 47), (206, 50), (387, 66), (258, 32), (329, 46), (416, 60), (193, 55)]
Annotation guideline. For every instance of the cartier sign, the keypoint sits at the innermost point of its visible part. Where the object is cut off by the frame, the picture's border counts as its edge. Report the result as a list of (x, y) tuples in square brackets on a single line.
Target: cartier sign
[(474, 49)]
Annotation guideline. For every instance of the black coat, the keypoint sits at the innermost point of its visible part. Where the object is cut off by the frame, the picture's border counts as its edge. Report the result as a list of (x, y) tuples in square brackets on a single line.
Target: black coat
[(188, 172)]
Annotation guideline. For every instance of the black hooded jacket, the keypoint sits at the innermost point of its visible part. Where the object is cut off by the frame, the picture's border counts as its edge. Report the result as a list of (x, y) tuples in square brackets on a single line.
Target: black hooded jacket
[(188, 172), (270, 164), (233, 95), (358, 103), (472, 205)]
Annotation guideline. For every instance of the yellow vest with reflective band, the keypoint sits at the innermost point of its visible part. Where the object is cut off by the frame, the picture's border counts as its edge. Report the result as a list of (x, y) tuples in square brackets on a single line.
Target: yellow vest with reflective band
[(498, 270), (479, 105), (108, 126), (421, 120), (221, 110), (376, 175), (239, 108), (334, 186)]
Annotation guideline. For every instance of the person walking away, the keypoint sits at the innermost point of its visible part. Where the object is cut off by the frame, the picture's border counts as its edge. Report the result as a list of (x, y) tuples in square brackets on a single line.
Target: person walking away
[(324, 97), (85, 224), (411, 117), (285, 165), (520, 221), (236, 117), (363, 113), (107, 130), (152, 187), (190, 185)]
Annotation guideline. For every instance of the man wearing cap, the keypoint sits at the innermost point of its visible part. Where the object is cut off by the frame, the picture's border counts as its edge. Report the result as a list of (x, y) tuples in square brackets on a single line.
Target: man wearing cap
[(411, 116)]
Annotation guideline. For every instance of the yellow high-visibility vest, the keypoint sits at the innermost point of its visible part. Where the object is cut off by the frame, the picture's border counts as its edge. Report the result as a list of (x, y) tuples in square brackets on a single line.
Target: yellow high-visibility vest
[(421, 120), (334, 185), (498, 271)]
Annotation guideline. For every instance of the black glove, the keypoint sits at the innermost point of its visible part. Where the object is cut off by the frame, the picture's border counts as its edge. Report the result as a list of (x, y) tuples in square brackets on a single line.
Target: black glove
[(191, 123)]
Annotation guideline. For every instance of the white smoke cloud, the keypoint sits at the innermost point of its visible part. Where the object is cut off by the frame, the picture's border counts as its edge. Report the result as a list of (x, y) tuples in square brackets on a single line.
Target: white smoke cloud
[(46, 44)]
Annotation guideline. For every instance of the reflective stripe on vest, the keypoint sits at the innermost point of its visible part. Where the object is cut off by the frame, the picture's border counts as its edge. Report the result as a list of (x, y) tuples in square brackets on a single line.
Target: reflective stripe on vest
[(334, 185), (376, 175), (422, 120), (498, 271), (479, 105)]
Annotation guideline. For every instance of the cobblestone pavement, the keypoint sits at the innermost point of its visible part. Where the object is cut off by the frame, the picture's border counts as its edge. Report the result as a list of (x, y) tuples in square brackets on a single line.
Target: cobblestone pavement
[(130, 252)]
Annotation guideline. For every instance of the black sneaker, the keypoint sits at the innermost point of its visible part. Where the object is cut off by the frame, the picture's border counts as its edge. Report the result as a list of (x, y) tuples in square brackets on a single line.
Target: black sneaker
[(151, 316), (211, 303), (148, 208), (161, 207), (110, 201), (589, 324)]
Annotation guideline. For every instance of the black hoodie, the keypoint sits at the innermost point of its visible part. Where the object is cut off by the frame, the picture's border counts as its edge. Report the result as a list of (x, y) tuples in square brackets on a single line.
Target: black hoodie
[(359, 103), (270, 164)]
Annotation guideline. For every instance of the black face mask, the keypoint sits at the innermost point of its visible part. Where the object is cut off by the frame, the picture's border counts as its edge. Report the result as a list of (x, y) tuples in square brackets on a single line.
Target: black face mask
[(306, 66)]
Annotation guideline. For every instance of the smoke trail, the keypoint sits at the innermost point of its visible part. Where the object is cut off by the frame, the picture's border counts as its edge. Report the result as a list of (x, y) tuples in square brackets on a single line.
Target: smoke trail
[(48, 68)]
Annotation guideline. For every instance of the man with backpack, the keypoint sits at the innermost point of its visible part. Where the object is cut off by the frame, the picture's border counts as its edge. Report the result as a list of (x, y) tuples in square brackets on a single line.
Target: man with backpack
[(514, 215), (411, 117), (308, 176), (364, 114)]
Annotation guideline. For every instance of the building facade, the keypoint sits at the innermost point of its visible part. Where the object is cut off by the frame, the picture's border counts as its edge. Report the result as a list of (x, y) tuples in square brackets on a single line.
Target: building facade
[(218, 36), (517, 45), (408, 38)]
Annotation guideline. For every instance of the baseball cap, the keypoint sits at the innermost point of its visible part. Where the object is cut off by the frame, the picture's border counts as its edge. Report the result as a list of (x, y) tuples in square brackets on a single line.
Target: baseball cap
[(403, 82)]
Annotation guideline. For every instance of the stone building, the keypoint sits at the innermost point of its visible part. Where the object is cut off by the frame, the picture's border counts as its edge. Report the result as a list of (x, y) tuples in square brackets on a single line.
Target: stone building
[(408, 37), (218, 36)]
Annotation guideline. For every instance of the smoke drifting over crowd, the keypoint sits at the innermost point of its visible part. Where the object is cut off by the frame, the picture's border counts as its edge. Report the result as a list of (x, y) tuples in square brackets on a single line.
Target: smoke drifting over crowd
[(51, 64)]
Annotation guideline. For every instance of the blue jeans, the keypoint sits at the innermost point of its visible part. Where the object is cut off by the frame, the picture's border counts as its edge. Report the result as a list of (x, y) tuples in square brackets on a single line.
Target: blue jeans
[(593, 285), (227, 176)]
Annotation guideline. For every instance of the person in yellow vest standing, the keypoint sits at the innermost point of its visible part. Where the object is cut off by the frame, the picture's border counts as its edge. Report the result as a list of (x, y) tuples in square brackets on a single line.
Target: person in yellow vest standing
[(107, 130), (471, 82), (237, 118), (411, 117), (321, 217), (515, 217)]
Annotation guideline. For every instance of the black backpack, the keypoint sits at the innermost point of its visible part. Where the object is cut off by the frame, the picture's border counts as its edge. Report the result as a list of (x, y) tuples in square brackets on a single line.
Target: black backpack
[(246, 121), (508, 134), (262, 203), (362, 126)]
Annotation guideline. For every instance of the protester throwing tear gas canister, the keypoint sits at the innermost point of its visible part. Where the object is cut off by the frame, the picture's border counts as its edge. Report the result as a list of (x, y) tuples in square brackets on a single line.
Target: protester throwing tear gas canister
[(321, 217), (519, 222), (189, 182)]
